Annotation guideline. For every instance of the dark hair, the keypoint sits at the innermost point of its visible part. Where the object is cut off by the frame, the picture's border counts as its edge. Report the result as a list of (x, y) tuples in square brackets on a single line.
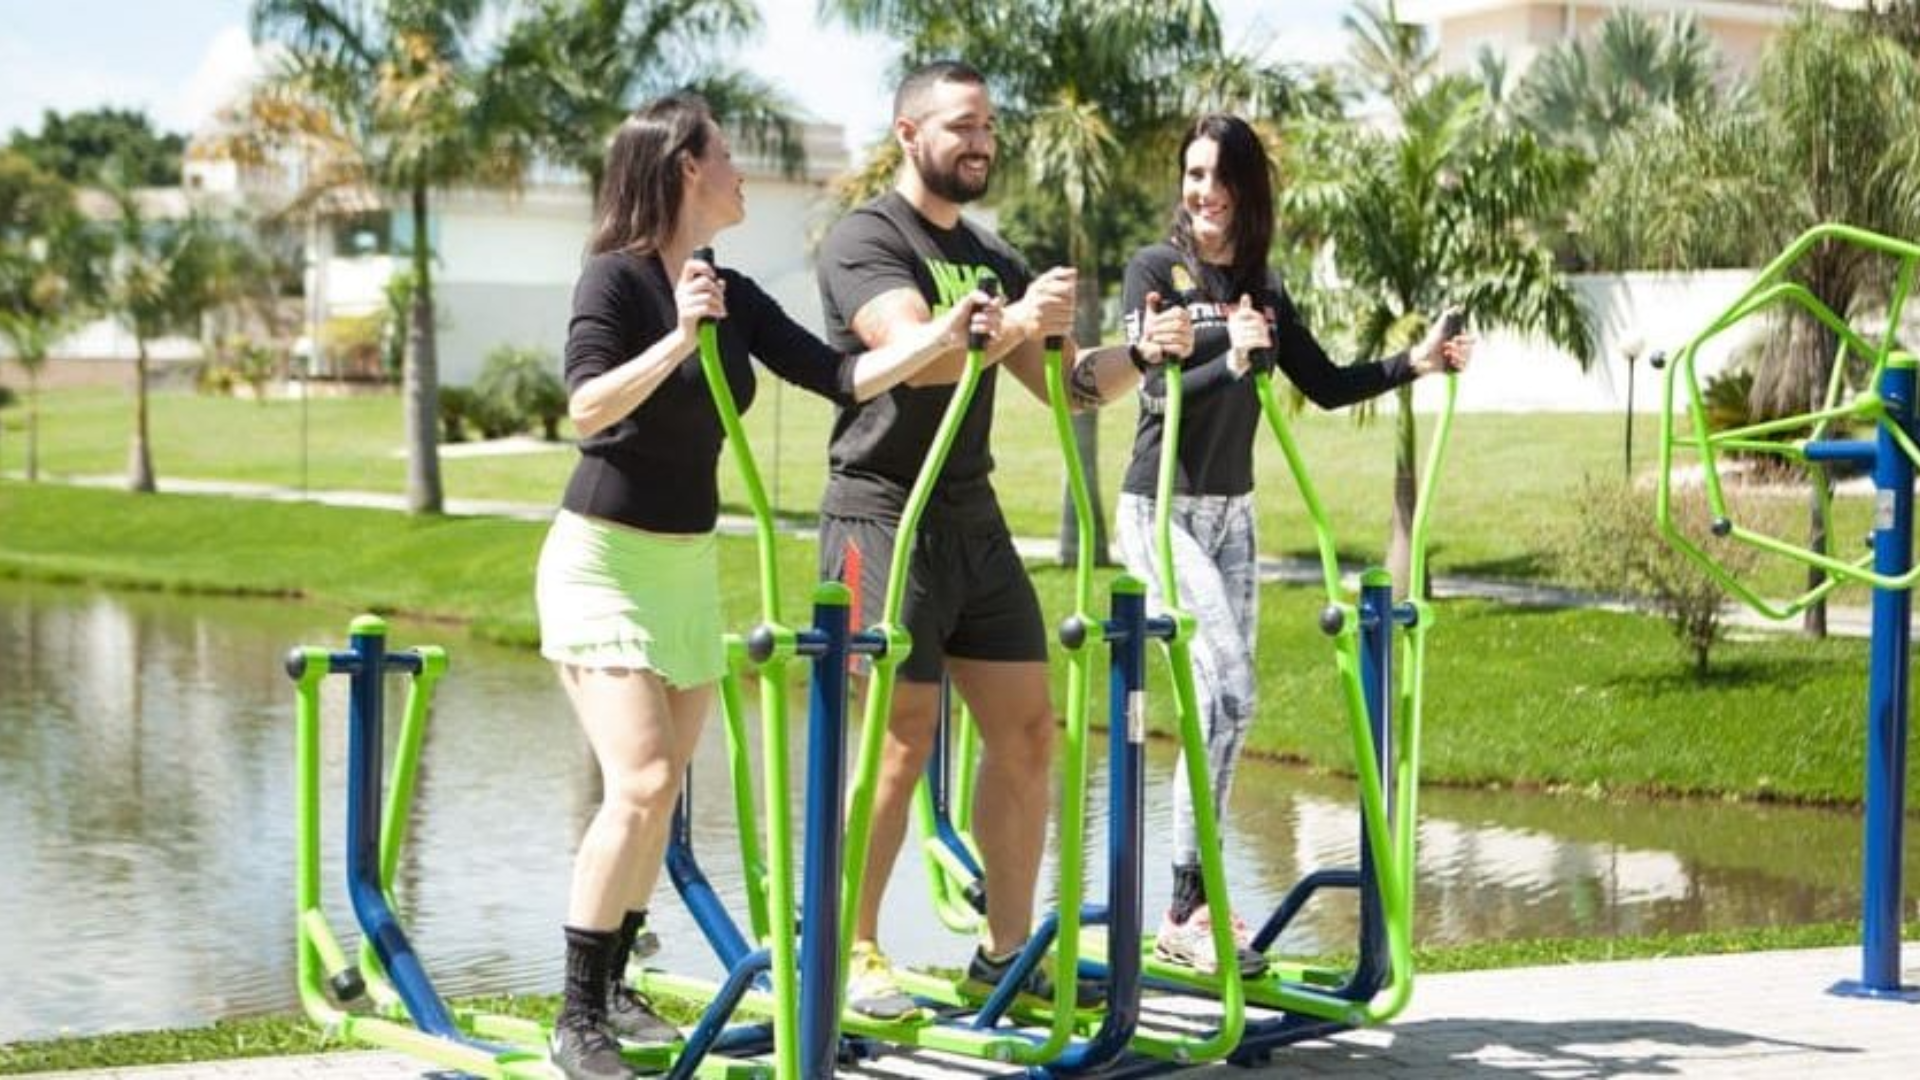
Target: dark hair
[(641, 191), (913, 88), (1244, 169)]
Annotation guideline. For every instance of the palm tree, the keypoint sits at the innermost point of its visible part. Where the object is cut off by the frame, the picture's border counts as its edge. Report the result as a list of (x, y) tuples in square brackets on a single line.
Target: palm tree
[(571, 70), (48, 261), (395, 96), (1580, 94), (1832, 136), (1440, 212), (163, 278), (1092, 94), (1443, 211)]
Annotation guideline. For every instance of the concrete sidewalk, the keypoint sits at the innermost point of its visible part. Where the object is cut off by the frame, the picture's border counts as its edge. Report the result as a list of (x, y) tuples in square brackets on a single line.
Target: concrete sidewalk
[(1752, 1016), (1841, 621)]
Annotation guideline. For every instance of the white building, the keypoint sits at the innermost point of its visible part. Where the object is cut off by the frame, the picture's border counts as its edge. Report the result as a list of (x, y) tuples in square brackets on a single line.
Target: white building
[(506, 261), (1520, 30)]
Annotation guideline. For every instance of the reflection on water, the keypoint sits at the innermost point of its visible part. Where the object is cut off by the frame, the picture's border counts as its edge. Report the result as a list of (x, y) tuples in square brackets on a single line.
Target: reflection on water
[(146, 821)]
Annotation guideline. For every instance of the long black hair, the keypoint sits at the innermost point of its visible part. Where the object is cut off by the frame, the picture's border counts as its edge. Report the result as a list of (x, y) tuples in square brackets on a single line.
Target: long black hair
[(641, 191), (1244, 169)]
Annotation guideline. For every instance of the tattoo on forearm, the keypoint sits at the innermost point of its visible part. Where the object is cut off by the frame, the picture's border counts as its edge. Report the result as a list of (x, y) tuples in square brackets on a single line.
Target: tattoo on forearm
[(1083, 383)]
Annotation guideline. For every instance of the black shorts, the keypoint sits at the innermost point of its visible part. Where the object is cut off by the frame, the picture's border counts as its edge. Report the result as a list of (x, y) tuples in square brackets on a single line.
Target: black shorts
[(967, 594)]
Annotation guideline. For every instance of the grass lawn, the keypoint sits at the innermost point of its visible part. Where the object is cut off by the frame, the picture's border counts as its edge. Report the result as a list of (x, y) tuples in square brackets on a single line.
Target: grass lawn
[(1777, 717), (1512, 479)]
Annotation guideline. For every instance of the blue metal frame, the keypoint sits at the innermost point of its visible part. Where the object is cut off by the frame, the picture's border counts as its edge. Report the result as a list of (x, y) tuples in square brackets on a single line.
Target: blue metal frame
[(1887, 693)]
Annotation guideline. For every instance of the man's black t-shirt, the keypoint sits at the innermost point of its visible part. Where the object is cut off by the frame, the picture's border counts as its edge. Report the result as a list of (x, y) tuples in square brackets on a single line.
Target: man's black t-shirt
[(655, 467), (1219, 410), (878, 445)]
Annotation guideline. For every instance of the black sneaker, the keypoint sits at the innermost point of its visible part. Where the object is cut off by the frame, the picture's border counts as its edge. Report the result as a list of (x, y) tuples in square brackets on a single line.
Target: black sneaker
[(630, 1016), (583, 1050), (985, 973)]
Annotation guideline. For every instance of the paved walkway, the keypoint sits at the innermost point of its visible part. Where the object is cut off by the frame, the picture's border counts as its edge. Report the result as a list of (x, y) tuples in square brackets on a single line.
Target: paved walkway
[(1753, 1016), (1841, 621)]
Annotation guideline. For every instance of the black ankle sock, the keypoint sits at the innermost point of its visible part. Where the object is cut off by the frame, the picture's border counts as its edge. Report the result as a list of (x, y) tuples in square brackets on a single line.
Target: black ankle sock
[(589, 973), (1189, 892), (630, 927)]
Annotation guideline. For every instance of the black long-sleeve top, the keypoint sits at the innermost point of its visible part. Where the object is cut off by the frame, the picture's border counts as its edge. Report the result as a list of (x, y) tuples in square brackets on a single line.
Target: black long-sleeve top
[(1219, 411), (655, 468)]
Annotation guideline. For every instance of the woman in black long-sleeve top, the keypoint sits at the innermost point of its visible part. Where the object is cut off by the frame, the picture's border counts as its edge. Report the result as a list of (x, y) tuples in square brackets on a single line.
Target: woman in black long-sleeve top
[(628, 588), (1216, 265)]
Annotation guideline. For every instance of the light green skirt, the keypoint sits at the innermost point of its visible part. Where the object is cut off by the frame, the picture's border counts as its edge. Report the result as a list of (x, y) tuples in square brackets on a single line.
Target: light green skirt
[(611, 596)]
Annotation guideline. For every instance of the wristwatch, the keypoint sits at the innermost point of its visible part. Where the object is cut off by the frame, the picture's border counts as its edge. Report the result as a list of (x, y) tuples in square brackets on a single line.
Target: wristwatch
[(1137, 358)]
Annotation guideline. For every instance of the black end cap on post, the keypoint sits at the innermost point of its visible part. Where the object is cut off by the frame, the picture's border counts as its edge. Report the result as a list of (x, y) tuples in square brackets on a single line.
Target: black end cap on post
[(1073, 631), (1333, 619), (296, 663), (1658, 359), (347, 985), (761, 643), (990, 285), (705, 255), (1722, 527)]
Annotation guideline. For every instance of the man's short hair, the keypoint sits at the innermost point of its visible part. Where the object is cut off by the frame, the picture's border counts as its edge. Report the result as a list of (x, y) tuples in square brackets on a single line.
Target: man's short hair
[(910, 100)]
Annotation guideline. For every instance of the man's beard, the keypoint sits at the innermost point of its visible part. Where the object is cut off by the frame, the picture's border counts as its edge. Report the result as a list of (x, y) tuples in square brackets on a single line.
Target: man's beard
[(948, 183)]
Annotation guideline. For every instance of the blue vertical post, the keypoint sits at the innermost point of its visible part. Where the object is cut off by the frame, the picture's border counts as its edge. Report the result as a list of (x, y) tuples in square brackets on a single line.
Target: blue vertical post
[(827, 645), (1376, 680), (1126, 813), (365, 754), (1887, 689)]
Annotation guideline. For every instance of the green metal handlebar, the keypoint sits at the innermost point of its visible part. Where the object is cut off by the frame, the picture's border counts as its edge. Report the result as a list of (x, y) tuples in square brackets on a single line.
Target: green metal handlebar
[(1771, 287)]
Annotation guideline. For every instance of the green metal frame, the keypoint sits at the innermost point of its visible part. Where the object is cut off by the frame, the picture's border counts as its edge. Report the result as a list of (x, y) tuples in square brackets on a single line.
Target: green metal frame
[(1770, 288), (1302, 988), (1061, 1022), (770, 890), (318, 949)]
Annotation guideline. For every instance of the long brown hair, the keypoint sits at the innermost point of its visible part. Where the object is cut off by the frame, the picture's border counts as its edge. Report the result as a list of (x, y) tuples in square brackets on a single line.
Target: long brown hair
[(1244, 170), (642, 188)]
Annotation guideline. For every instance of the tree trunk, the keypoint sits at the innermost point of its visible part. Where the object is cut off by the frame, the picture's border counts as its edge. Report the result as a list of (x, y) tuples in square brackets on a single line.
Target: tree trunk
[(1086, 433), (1406, 462), (1821, 345), (139, 458), (33, 424), (421, 377)]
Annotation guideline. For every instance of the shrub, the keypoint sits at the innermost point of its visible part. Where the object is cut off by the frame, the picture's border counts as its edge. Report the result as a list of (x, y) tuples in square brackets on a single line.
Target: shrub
[(456, 404), (1614, 546), (521, 386)]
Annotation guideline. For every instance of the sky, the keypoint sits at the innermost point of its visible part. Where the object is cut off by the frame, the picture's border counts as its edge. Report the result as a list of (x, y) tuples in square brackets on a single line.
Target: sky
[(178, 60)]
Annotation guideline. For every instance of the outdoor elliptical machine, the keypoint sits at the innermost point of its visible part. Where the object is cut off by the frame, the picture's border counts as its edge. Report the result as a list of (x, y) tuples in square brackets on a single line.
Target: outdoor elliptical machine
[(1886, 405), (1383, 702), (408, 1013), (1294, 1001), (951, 1024)]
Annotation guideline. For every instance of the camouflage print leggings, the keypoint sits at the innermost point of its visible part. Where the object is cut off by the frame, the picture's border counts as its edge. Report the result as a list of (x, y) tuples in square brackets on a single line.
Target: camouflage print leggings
[(1214, 566)]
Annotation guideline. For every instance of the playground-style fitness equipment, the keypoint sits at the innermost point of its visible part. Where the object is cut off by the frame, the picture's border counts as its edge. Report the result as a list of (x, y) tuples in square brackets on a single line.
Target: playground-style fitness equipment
[(408, 1013), (1887, 405), (966, 1028), (1384, 716), (1298, 1001)]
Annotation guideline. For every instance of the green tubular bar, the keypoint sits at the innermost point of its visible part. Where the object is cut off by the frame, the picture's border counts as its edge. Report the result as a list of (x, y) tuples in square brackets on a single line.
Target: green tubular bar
[(1073, 759), (946, 874), (1771, 287), (1390, 837), (779, 888), (880, 688), (1178, 652), (318, 950), (753, 861)]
